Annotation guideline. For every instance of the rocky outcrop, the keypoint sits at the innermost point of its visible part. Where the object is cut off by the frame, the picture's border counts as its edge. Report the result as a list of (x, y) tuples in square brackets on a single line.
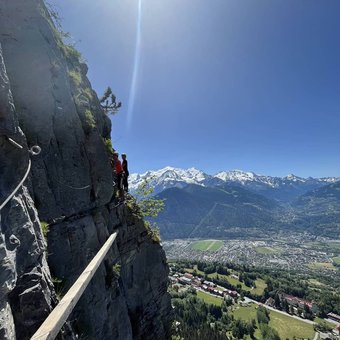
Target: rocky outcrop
[(57, 110), (47, 100), (26, 291), (128, 295)]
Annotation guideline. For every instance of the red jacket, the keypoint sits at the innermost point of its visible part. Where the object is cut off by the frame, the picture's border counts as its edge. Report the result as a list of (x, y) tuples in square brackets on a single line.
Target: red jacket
[(117, 166)]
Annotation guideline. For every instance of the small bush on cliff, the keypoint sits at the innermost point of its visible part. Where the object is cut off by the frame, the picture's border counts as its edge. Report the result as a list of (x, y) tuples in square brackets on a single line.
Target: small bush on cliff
[(44, 229), (75, 77), (59, 287), (149, 207), (70, 52), (89, 119), (112, 273), (88, 93), (53, 18), (116, 270), (108, 145)]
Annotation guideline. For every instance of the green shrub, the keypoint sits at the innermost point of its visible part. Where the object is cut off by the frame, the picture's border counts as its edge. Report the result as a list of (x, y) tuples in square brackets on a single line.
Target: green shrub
[(155, 235), (70, 51), (116, 270), (59, 287), (89, 119), (108, 144), (75, 77), (88, 93), (45, 229)]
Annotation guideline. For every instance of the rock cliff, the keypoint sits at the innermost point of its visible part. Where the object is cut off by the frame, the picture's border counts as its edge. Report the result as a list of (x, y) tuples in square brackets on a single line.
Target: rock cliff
[(47, 100)]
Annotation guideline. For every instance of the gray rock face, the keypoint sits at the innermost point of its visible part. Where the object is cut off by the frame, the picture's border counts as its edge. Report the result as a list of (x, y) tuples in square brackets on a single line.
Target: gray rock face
[(69, 187), (57, 110), (133, 303), (26, 291)]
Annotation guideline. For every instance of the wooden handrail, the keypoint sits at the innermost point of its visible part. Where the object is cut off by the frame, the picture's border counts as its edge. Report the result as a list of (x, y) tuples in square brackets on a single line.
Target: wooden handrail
[(55, 321)]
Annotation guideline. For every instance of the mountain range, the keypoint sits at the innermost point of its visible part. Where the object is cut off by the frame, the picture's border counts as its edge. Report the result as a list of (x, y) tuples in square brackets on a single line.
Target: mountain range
[(236, 203), (283, 189)]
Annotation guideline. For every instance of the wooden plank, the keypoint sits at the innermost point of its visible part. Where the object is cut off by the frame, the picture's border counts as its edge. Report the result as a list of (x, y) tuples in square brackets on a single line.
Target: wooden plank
[(55, 321)]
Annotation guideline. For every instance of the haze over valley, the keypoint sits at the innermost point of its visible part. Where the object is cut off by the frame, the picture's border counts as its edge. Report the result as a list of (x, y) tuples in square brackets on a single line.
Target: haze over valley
[(238, 204)]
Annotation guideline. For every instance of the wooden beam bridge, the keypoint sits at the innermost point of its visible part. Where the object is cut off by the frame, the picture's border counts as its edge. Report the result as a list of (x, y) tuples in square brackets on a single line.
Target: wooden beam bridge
[(55, 321)]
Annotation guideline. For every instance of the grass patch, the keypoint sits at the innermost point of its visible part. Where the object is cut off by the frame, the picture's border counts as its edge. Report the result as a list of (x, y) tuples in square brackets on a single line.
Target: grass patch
[(286, 326), (89, 119), (321, 265), (88, 93), (209, 298), (45, 229), (260, 287), (75, 77), (247, 314), (70, 51), (323, 321), (336, 260), (334, 245), (207, 245), (108, 145), (266, 250), (155, 235)]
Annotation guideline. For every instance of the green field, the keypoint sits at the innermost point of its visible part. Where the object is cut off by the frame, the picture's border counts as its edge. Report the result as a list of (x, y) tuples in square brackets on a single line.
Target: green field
[(286, 326), (207, 245), (266, 250), (209, 298), (321, 265), (260, 286), (321, 321), (336, 260), (334, 245)]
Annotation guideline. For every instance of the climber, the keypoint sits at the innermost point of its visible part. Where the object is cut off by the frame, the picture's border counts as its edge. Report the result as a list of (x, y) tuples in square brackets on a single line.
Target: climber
[(126, 173), (118, 170)]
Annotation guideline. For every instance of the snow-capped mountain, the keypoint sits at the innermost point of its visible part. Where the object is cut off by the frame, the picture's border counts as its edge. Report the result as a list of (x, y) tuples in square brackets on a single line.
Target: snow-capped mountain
[(242, 177), (168, 177), (280, 188)]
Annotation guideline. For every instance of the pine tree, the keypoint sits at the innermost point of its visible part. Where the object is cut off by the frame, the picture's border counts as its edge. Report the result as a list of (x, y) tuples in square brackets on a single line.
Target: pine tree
[(108, 102)]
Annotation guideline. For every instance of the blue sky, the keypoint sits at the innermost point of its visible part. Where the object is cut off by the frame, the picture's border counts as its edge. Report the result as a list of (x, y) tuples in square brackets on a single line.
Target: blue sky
[(219, 84)]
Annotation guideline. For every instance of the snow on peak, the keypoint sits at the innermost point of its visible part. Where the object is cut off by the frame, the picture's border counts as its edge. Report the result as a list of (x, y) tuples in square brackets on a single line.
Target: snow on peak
[(176, 177), (236, 175), (293, 178), (168, 177)]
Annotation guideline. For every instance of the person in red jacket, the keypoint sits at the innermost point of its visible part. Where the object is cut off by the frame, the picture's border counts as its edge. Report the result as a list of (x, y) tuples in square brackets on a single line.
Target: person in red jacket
[(118, 170)]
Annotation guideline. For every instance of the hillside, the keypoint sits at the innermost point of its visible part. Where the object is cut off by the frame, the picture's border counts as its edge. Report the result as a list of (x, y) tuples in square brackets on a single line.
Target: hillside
[(318, 211), (197, 211), (237, 203)]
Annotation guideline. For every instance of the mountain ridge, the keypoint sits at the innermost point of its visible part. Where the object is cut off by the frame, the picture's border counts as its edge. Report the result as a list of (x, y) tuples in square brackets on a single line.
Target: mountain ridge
[(283, 189), (232, 211)]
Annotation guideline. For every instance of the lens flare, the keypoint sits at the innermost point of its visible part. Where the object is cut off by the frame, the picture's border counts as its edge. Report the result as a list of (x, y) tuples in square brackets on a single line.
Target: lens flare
[(136, 64)]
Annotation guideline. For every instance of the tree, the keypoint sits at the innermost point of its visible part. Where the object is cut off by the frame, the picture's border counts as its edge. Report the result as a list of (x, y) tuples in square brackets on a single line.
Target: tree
[(251, 328), (277, 301), (269, 333), (262, 315), (108, 102), (149, 207)]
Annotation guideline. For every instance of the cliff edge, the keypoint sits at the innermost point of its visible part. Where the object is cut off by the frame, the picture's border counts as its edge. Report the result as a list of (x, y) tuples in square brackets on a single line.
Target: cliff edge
[(47, 100)]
